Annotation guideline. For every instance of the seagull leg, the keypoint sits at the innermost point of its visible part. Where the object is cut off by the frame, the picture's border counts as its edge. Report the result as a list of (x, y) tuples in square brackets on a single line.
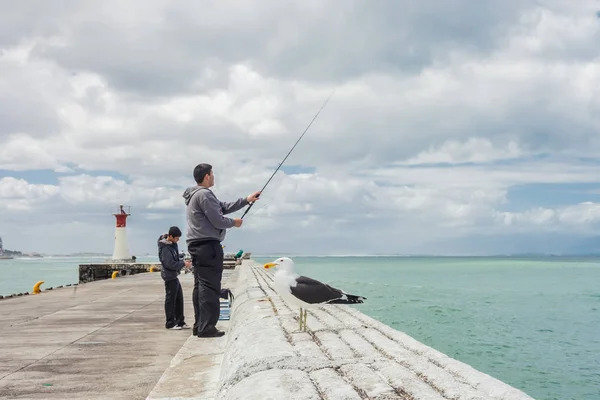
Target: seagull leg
[(304, 320), (300, 319)]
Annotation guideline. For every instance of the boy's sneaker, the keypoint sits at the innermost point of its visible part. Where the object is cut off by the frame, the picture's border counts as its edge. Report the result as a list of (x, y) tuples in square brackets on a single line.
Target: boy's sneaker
[(175, 328), (185, 326)]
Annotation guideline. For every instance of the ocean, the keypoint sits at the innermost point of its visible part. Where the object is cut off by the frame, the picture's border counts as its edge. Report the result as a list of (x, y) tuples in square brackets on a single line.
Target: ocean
[(18, 275), (533, 323)]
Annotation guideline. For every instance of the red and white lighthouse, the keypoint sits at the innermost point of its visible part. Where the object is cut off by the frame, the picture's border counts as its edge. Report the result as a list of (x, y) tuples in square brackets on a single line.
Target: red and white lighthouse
[(121, 251)]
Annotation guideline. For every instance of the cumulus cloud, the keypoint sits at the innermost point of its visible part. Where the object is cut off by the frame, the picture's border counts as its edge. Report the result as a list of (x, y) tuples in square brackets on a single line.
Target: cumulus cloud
[(22, 152), (440, 111), (473, 150), (16, 195)]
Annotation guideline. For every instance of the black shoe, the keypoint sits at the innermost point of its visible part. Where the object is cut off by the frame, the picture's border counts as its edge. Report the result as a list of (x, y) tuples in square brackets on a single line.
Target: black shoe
[(213, 332)]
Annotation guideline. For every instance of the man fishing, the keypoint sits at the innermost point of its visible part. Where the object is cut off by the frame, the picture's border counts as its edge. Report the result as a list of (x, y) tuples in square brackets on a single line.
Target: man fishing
[(207, 227)]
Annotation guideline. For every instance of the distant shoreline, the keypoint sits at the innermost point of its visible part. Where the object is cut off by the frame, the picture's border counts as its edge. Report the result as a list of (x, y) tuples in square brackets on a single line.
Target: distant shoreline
[(74, 255), (16, 255), (427, 255), (348, 255)]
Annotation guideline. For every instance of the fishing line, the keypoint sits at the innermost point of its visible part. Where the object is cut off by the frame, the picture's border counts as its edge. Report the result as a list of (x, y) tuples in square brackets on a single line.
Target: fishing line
[(290, 152), (257, 210)]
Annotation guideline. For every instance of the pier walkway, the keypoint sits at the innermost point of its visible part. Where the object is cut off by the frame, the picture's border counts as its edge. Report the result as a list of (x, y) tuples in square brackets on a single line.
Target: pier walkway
[(100, 340)]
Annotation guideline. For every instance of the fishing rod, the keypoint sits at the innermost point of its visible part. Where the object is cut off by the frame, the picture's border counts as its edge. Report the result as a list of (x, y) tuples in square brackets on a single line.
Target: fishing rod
[(290, 152)]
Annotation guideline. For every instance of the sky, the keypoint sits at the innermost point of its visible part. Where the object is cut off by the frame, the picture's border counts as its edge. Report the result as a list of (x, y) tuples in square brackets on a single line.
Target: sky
[(456, 127)]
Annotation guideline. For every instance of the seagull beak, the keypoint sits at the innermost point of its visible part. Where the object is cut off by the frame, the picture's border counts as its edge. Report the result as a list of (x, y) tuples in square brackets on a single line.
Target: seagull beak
[(270, 265)]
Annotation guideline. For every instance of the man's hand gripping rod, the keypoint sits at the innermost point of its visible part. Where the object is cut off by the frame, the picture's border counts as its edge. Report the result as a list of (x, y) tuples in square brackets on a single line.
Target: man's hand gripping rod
[(290, 152)]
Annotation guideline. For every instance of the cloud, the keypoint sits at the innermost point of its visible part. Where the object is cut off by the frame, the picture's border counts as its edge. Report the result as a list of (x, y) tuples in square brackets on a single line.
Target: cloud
[(440, 111), (575, 217), (22, 152), (473, 150), (301, 40)]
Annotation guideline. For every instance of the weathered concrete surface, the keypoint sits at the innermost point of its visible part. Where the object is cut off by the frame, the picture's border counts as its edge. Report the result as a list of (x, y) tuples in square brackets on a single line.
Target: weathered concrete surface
[(100, 271), (99, 340), (194, 371), (344, 355)]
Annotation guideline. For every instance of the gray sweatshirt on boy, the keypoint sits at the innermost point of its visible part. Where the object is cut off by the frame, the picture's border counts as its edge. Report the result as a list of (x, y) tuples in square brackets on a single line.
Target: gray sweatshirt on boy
[(205, 214)]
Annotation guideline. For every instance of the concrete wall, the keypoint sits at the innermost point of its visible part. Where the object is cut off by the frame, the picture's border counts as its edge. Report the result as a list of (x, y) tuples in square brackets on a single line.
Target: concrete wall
[(100, 271), (344, 355)]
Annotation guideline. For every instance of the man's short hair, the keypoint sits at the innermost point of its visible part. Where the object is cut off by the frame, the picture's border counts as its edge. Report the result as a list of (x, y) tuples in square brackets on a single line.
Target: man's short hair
[(201, 171), (174, 231)]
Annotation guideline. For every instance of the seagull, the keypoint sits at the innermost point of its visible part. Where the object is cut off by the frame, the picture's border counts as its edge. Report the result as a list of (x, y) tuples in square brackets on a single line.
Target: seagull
[(306, 292)]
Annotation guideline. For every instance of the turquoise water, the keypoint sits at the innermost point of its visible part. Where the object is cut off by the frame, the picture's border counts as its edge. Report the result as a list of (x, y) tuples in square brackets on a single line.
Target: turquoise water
[(532, 323), (20, 274)]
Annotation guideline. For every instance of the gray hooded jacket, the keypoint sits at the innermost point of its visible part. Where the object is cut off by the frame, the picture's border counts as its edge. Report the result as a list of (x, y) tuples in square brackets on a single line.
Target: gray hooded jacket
[(205, 214)]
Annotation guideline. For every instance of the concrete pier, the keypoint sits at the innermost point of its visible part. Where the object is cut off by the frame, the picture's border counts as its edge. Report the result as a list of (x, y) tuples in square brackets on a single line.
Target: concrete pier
[(99, 340), (100, 271)]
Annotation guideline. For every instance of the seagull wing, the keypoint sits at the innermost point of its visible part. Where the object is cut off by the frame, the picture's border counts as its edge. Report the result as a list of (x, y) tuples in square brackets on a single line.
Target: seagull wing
[(312, 291)]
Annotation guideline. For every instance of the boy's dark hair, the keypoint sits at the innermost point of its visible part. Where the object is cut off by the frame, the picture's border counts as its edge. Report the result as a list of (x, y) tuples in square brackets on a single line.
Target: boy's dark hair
[(174, 231), (201, 171)]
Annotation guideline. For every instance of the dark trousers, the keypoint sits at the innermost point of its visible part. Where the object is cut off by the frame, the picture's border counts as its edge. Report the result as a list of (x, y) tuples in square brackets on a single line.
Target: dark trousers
[(173, 303), (207, 259)]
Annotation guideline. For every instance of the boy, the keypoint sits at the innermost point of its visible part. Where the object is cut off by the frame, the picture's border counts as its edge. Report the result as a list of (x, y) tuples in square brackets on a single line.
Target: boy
[(168, 254)]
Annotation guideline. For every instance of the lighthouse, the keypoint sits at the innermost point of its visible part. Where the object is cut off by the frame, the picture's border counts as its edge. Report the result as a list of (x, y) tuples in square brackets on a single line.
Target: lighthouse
[(121, 251)]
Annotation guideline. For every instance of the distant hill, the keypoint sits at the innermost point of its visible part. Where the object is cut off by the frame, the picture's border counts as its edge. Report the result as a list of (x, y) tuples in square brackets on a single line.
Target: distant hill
[(12, 252)]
